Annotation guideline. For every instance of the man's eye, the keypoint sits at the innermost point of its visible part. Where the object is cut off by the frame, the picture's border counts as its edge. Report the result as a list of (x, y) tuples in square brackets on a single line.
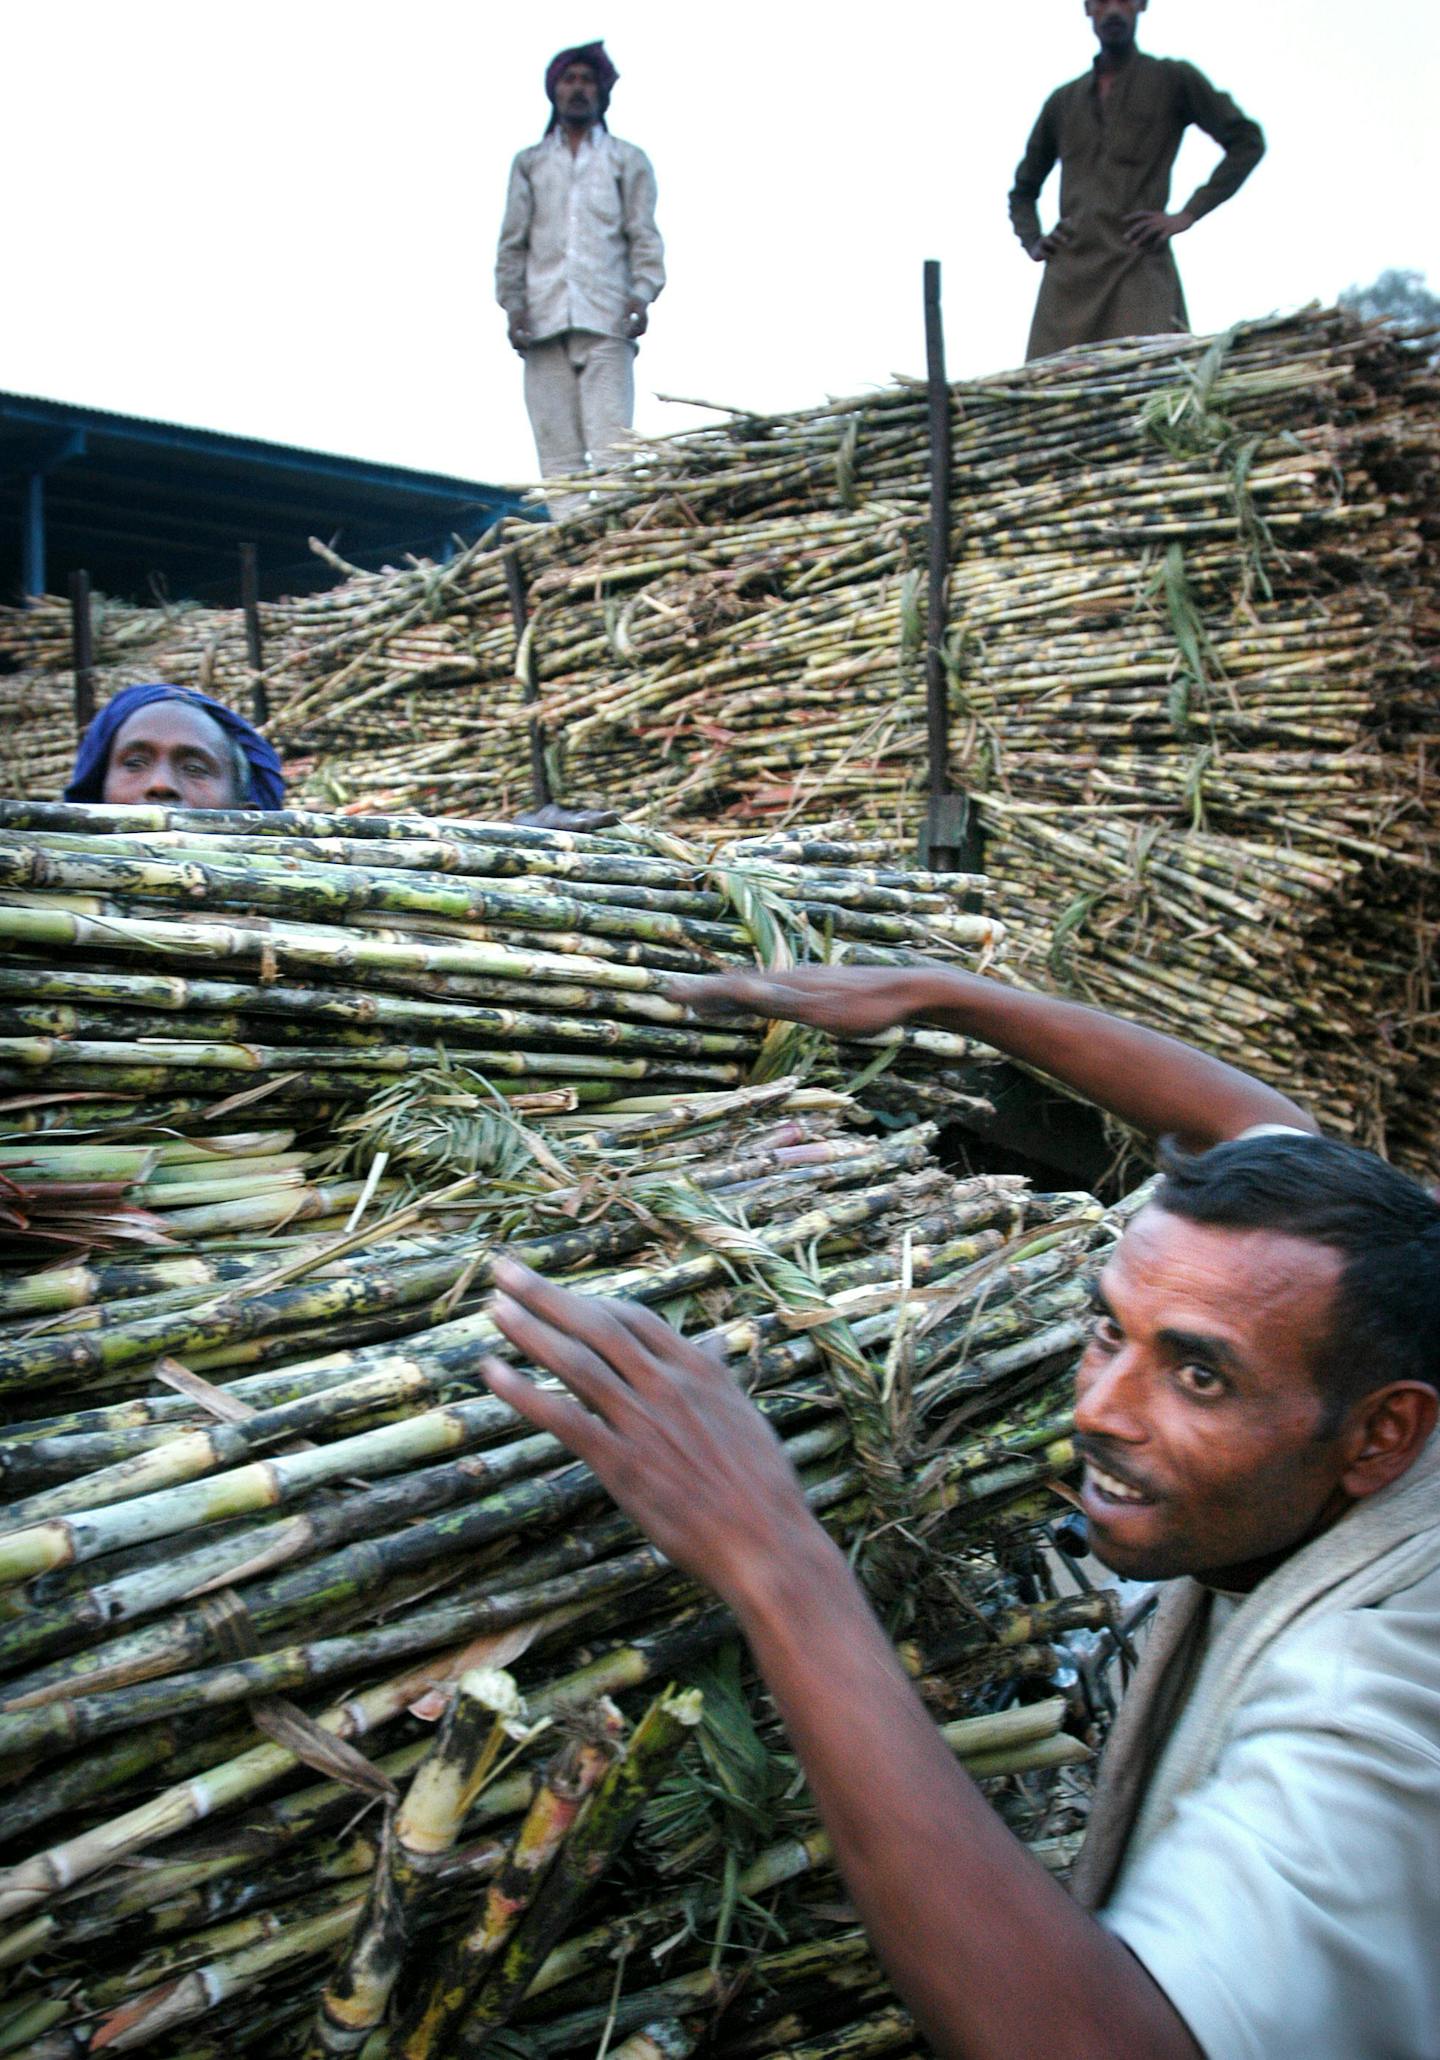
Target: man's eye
[(1104, 1330), (1202, 1381)]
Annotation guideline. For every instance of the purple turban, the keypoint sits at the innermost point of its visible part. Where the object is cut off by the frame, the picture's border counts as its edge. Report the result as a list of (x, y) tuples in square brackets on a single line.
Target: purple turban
[(593, 54), (266, 787)]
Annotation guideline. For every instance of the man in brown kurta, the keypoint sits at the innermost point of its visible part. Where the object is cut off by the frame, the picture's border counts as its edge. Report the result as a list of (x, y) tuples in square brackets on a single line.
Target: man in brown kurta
[(1109, 269)]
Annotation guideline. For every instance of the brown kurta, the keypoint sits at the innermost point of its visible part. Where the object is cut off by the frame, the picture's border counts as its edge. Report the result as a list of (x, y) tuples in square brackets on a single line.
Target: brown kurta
[(1115, 160)]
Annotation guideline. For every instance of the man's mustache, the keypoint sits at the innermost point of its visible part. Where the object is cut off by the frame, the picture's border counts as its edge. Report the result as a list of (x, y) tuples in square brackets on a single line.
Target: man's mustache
[(1095, 1450)]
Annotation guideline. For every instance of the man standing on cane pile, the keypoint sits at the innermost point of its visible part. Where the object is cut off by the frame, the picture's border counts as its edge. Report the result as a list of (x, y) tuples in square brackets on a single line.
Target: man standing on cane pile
[(1109, 268), (1256, 1412), (580, 261)]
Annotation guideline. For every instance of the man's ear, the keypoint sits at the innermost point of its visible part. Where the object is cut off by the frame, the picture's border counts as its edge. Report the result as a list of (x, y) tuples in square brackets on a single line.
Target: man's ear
[(1389, 1431)]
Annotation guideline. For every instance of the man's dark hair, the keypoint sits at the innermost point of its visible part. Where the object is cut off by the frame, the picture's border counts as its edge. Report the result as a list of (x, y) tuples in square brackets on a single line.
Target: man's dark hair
[(1385, 1319)]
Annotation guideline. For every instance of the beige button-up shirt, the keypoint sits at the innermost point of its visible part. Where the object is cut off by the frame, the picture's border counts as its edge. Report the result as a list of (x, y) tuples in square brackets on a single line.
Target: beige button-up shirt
[(579, 239), (1292, 1904)]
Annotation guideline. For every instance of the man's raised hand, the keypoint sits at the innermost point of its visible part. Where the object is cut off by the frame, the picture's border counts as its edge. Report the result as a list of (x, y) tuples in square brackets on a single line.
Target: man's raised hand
[(661, 1422), (556, 816), (848, 1001)]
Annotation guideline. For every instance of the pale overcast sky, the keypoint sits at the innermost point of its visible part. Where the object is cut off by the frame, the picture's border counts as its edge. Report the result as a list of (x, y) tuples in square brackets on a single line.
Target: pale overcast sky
[(279, 219)]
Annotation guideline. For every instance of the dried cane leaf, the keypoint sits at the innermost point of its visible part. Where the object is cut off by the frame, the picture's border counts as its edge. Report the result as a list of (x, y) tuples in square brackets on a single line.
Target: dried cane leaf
[(287, 1725)]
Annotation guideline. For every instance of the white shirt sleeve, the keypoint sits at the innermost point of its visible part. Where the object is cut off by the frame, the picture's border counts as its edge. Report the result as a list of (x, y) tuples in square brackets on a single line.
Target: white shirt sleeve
[(1292, 1906)]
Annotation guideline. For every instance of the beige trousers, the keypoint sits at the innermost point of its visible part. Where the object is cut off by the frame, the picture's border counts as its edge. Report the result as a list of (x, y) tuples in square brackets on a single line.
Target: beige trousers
[(580, 394)]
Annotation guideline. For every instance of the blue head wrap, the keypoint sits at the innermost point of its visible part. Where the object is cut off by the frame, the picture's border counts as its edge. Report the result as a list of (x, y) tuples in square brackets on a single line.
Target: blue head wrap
[(267, 785)]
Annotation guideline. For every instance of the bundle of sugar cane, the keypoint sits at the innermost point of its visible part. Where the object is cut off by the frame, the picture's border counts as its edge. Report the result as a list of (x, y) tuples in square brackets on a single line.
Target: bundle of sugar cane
[(1281, 991), (364, 1525), (351, 948), (96, 1195)]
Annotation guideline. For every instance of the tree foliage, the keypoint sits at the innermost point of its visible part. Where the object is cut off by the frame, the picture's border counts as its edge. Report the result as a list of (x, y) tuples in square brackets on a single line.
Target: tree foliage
[(1397, 296)]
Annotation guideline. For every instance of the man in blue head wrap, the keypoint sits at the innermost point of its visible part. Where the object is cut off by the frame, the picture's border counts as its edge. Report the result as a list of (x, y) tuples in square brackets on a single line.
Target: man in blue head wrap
[(178, 748)]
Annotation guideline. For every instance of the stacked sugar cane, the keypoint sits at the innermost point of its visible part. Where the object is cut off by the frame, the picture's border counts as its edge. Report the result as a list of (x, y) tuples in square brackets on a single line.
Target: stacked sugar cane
[(59, 1195), (1191, 656), (315, 955), (132, 644), (329, 1691)]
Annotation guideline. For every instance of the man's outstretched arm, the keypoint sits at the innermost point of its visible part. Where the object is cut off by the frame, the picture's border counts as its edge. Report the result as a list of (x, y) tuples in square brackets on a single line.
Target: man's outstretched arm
[(1155, 1083), (992, 1956)]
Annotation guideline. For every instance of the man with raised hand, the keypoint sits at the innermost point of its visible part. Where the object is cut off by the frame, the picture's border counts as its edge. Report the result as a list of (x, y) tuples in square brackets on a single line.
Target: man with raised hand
[(1255, 1411), (580, 261), (1115, 131)]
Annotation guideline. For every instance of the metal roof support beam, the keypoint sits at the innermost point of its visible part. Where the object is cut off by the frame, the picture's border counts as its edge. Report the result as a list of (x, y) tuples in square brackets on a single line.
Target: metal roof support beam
[(254, 647), (82, 644), (950, 841), (55, 451), (32, 538), (529, 691)]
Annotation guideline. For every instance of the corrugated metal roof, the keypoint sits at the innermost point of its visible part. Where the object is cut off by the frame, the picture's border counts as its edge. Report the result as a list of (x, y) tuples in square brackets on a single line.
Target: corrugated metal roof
[(142, 504)]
